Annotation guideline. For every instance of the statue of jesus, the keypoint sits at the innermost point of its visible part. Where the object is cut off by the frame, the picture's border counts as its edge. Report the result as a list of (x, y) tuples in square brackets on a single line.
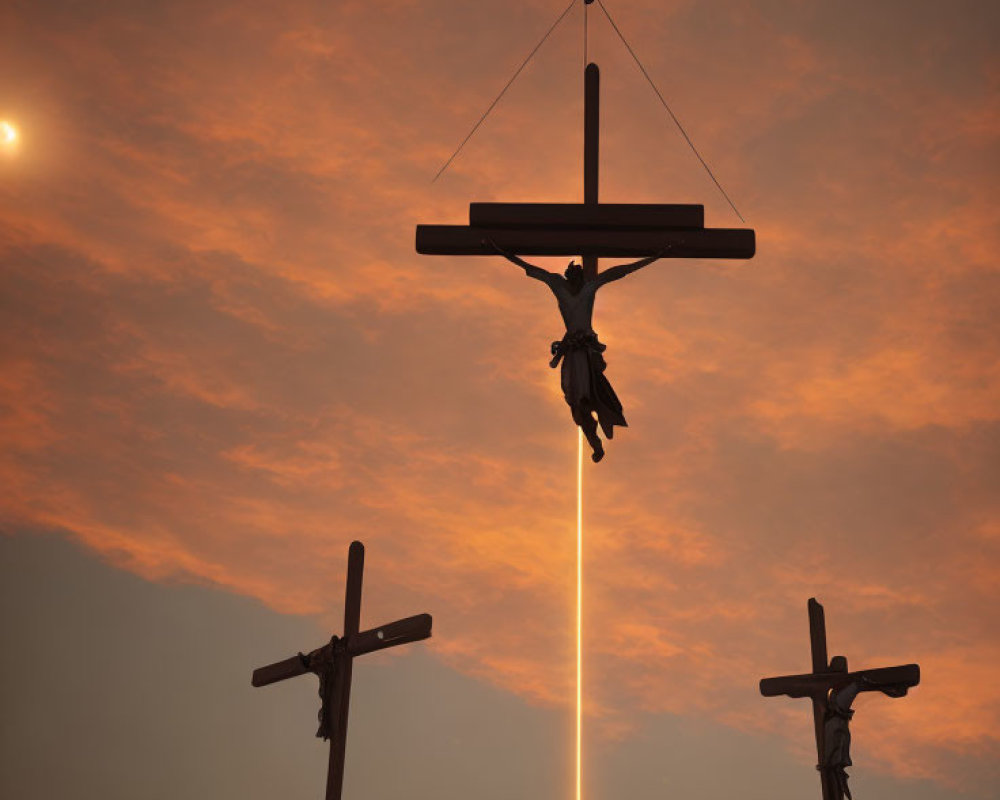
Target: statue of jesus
[(585, 387), (836, 725)]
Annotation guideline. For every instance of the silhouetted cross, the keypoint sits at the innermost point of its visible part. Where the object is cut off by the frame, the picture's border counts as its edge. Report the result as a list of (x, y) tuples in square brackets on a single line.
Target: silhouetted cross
[(333, 663), (830, 712), (590, 229)]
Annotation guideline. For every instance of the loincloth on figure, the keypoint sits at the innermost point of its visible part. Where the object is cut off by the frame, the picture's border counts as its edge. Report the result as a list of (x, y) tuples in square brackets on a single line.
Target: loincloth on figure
[(837, 745), (584, 384)]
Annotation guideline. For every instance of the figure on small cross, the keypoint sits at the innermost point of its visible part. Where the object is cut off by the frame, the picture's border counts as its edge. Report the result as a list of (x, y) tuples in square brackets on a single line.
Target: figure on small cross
[(836, 724), (323, 663), (585, 387)]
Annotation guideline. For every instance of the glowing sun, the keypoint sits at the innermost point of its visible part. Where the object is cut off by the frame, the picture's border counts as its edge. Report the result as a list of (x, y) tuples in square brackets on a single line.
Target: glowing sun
[(8, 133)]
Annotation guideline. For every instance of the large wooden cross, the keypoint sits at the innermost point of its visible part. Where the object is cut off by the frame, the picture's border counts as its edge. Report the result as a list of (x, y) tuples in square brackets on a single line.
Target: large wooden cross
[(332, 663), (826, 677), (590, 229)]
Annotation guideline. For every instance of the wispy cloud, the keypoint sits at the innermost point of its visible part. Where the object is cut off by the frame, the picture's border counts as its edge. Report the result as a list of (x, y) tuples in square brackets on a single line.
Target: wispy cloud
[(223, 361)]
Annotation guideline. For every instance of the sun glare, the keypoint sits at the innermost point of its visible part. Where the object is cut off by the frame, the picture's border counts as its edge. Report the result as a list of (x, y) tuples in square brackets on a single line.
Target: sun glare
[(8, 135)]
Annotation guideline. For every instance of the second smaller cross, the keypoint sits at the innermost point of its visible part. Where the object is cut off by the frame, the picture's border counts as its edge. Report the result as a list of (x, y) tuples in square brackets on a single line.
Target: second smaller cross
[(832, 690), (332, 663)]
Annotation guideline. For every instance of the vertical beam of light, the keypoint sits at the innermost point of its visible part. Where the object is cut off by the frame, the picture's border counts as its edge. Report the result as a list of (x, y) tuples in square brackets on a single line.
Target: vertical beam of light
[(579, 612)]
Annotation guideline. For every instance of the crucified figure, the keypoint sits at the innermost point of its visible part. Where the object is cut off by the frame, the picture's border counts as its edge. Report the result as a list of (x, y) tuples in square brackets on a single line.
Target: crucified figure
[(585, 387), (836, 725)]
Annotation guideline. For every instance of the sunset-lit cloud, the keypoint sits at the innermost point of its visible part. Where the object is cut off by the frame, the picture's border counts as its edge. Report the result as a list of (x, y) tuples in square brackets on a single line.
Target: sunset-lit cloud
[(223, 360)]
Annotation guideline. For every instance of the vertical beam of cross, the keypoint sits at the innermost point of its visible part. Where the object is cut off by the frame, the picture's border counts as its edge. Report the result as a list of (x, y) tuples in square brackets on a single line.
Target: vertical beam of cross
[(342, 689), (591, 169), (591, 150), (820, 664)]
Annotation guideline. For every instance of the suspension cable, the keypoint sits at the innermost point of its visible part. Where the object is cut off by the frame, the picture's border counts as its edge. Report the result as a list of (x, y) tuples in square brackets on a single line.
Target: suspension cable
[(504, 90), (673, 116)]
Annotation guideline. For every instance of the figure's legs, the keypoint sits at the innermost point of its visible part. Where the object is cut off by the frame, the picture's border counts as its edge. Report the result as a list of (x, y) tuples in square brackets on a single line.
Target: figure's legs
[(584, 417), (835, 779)]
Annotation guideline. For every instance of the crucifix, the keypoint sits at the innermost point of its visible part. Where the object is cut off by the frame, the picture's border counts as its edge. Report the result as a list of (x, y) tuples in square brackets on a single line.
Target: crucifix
[(591, 230), (332, 663), (832, 690)]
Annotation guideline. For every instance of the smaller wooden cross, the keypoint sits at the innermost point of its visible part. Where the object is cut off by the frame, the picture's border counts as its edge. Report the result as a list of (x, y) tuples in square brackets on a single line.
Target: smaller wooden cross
[(333, 663), (824, 681)]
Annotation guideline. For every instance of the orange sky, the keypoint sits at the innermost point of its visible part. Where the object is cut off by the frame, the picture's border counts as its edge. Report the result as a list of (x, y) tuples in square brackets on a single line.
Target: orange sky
[(223, 360)]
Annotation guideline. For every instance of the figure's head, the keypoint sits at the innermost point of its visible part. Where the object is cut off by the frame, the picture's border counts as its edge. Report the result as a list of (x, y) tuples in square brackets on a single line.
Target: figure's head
[(574, 274), (838, 664)]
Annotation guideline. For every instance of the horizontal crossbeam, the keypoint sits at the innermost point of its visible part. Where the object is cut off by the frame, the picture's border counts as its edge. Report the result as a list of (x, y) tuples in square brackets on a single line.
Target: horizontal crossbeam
[(818, 684), (621, 216), (279, 671), (404, 631), (459, 240)]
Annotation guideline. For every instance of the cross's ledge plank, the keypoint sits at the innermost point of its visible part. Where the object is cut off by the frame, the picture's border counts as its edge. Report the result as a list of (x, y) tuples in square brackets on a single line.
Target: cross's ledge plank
[(460, 240), (621, 216)]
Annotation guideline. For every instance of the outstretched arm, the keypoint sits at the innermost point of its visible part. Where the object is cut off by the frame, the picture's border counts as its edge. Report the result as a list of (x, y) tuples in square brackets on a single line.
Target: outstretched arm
[(529, 269), (843, 698), (614, 273)]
